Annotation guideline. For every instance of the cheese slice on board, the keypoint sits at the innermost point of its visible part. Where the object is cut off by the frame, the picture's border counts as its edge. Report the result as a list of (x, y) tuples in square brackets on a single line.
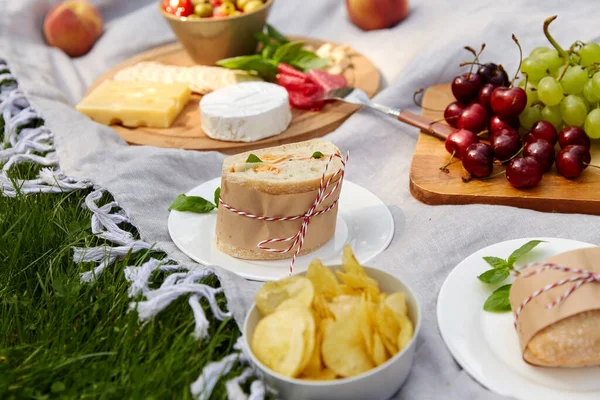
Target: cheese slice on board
[(135, 104), (245, 112), (201, 79)]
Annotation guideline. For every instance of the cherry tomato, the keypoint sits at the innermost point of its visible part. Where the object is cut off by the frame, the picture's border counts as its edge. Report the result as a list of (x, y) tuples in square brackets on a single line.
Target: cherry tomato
[(216, 3), (181, 8)]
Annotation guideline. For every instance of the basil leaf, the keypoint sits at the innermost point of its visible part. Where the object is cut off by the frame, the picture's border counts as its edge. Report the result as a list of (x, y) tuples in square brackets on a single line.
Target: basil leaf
[(263, 38), (253, 159), (275, 34), (493, 276), (288, 51), (217, 196), (317, 155), (499, 300), (496, 262), (267, 51), (240, 62), (521, 251), (194, 204), (306, 60)]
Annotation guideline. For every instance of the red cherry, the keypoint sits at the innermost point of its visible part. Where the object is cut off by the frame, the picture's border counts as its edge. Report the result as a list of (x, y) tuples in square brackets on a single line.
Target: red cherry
[(542, 151), (572, 160), (524, 172), (465, 87), (474, 118), (485, 95), (452, 113), (478, 160), (544, 130), (572, 135), (508, 102), (497, 123), (505, 143), (458, 141)]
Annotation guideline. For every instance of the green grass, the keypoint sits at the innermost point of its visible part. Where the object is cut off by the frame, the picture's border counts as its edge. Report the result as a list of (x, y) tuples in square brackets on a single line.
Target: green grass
[(63, 339)]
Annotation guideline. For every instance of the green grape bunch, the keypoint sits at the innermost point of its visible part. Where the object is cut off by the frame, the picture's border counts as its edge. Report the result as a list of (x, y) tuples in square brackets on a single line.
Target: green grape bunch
[(563, 86)]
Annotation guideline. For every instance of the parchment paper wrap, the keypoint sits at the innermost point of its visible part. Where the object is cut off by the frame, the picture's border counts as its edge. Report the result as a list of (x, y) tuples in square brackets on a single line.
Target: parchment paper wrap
[(534, 316), (245, 233)]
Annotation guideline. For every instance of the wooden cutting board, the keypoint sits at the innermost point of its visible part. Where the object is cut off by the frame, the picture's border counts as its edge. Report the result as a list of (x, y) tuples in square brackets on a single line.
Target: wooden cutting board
[(432, 186), (186, 132)]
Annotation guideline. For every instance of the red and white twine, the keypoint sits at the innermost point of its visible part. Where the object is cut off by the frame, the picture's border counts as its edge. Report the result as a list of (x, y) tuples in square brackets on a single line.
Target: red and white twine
[(583, 276), (298, 239)]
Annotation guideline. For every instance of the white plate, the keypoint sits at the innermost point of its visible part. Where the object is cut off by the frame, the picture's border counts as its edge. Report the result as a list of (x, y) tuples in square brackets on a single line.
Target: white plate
[(363, 221), (486, 344)]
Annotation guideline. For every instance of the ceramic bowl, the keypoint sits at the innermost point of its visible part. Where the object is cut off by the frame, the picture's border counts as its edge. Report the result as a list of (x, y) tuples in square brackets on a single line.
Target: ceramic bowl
[(379, 383), (208, 40)]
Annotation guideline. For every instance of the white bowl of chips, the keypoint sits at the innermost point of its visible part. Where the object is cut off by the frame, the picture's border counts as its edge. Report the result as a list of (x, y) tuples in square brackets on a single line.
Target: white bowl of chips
[(342, 332)]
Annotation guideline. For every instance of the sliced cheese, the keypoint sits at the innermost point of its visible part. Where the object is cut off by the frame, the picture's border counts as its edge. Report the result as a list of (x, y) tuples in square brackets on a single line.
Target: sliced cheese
[(201, 79), (245, 112), (135, 104)]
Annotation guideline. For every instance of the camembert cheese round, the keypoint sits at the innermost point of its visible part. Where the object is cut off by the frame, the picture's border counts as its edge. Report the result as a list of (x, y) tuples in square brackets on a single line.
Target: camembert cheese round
[(245, 112)]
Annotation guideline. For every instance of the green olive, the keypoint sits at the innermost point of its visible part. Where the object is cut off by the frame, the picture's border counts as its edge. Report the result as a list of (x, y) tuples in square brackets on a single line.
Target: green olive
[(253, 5), (203, 10), (227, 8), (241, 3)]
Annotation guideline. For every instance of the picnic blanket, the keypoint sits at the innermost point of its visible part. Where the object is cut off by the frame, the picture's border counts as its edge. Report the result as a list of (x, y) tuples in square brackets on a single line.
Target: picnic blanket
[(423, 50)]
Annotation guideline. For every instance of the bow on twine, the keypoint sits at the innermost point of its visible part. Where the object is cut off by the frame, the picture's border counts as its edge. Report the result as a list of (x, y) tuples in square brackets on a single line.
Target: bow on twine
[(583, 276), (298, 239)]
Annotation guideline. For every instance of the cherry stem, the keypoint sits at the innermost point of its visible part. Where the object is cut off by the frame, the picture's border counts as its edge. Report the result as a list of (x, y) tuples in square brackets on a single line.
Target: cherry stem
[(444, 168), (514, 38), (515, 155), (464, 64), (476, 61), (430, 127), (554, 43), (470, 49), (418, 91), (591, 165), (493, 176), (483, 133)]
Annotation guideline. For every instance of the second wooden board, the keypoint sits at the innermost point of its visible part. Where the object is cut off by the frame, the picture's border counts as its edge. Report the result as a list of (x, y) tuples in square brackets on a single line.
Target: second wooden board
[(186, 132), (432, 186)]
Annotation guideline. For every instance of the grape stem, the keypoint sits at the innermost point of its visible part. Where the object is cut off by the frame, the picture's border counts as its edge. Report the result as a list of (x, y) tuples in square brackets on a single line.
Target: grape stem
[(514, 38), (554, 43)]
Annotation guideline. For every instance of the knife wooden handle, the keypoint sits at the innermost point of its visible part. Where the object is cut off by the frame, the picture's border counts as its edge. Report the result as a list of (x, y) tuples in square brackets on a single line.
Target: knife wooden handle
[(427, 125)]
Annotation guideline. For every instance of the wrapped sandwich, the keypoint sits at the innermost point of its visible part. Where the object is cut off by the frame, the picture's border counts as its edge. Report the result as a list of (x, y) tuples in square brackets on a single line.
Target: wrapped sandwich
[(568, 333), (277, 182)]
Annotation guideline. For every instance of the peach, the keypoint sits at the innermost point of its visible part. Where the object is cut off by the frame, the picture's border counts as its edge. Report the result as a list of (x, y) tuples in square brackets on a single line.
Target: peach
[(73, 26), (376, 14)]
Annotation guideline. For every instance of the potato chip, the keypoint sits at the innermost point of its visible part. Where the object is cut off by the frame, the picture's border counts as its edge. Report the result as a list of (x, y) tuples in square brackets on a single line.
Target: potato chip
[(397, 303), (314, 366), (350, 263), (406, 332), (343, 306), (271, 294), (323, 279), (388, 327), (343, 349), (321, 307), (366, 326), (323, 375), (279, 340), (379, 354)]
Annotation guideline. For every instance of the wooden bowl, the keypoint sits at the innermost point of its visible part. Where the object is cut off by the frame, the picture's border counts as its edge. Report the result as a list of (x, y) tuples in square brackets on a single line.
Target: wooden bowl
[(208, 40)]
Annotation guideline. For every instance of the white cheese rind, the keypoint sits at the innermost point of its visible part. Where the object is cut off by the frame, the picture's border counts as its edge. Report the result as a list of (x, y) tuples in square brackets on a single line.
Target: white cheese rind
[(245, 112)]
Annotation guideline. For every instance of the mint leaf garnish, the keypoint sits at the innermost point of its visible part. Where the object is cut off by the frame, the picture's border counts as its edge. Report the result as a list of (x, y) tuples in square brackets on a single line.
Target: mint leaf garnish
[(317, 155), (194, 204), (493, 276), (217, 196), (521, 251), (253, 159), (498, 300)]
